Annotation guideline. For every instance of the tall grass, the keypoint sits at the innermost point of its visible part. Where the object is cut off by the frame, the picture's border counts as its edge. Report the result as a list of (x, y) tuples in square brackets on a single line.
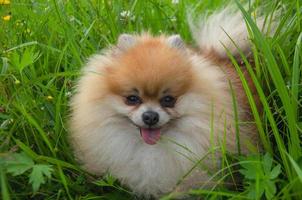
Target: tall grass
[(42, 48)]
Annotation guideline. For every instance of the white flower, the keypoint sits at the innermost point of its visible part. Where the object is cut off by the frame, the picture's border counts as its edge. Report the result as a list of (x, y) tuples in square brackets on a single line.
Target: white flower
[(68, 94), (125, 14), (5, 123), (175, 1)]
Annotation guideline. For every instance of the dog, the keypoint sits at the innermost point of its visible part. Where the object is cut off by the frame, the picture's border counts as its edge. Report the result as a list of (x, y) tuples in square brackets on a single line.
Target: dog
[(150, 109)]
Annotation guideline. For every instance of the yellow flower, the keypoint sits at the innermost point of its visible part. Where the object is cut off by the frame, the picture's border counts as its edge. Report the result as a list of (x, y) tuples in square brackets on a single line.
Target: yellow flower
[(4, 2), (254, 14), (49, 98), (7, 17), (17, 82)]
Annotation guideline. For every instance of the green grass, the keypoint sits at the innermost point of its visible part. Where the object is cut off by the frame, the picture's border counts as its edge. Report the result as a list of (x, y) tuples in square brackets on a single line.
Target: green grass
[(44, 45)]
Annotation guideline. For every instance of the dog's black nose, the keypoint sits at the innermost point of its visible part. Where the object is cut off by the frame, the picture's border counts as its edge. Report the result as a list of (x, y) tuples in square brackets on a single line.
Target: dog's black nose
[(150, 118)]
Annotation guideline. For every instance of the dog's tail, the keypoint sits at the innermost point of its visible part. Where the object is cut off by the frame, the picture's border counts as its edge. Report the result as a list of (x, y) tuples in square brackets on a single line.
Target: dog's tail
[(221, 30)]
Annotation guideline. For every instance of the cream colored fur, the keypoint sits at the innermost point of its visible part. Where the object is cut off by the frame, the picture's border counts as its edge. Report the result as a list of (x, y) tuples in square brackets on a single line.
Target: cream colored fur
[(220, 28)]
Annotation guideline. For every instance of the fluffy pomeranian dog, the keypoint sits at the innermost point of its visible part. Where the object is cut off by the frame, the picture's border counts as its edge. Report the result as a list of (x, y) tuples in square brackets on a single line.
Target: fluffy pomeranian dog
[(148, 108)]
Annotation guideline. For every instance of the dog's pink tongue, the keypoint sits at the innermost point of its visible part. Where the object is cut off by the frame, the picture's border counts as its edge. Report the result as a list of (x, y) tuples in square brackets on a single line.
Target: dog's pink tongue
[(150, 136)]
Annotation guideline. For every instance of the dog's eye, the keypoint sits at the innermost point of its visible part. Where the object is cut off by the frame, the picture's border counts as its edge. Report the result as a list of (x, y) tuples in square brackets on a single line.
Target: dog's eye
[(167, 101), (133, 100)]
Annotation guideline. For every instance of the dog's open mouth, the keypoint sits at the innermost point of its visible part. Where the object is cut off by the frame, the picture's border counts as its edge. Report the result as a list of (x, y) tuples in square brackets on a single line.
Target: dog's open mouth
[(150, 135)]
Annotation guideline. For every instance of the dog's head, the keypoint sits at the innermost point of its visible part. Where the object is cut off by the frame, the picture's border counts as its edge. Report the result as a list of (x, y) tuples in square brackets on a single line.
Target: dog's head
[(148, 78)]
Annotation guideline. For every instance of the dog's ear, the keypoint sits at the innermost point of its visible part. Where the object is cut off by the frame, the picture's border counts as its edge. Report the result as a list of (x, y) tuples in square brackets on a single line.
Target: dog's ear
[(126, 41), (175, 41)]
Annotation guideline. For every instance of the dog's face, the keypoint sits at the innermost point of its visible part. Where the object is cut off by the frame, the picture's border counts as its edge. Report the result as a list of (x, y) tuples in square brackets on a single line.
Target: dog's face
[(148, 79)]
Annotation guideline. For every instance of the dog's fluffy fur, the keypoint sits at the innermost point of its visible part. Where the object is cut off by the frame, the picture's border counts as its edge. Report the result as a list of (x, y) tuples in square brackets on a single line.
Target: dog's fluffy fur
[(105, 131)]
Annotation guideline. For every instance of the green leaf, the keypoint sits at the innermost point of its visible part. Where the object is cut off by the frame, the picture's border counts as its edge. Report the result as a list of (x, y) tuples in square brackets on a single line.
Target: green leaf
[(252, 194), (15, 60), (29, 56), (19, 163), (297, 168), (248, 174), (2, 163), (39, 174), (270, 189), (108, 180), (267, 163), (299, 162), (3, 185), (259, 177), (251, 167), (275, 172)]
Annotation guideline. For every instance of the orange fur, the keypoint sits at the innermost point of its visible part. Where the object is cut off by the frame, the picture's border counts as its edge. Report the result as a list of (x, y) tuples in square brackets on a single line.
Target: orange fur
[(232, 75), (152, 68)]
